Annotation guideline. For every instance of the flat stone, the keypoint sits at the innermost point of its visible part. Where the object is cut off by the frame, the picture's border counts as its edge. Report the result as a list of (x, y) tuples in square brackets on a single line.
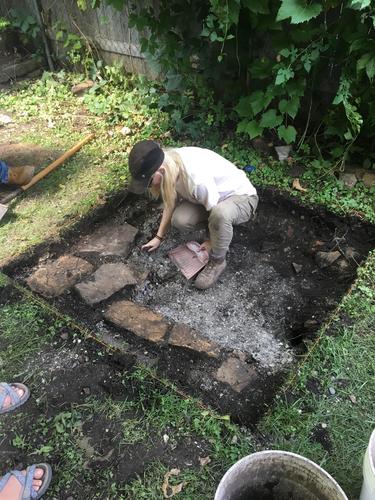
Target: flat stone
[(139, 320), (268, 246), (357, 171), (53, 278), (184, 336), (125, 131), (81, 88), (108, 279), (237, 373), (349, 179), (368, 179), (325, 259), (17, 69), (297, 267), (111, 239)]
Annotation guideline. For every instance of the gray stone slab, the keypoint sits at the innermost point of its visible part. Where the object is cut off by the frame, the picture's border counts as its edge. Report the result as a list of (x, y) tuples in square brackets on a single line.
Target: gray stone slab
[(54, 277), (110, 239), (15, 69), (350, 180), (108, 279), (237, 373)]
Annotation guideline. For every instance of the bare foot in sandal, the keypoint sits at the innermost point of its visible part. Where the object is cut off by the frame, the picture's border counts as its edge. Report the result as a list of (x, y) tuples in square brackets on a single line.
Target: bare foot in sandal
[(31, 483), (12, 396)]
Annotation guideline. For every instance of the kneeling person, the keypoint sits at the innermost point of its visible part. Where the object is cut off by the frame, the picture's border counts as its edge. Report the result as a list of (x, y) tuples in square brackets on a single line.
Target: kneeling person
[(197, 186)]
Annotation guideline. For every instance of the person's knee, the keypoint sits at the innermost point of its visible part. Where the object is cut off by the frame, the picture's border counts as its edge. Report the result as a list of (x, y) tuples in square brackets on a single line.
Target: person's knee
[(181, 221), (218, 218)]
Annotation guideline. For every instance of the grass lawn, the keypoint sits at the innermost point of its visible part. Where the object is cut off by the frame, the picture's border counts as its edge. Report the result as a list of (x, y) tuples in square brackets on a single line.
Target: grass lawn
[(325, 411)]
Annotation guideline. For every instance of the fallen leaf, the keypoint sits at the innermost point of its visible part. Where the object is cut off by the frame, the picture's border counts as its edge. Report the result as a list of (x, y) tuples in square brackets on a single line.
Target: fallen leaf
[(204, 461), (318, 243), (353, 399), (325, 259), (296, 185), (169, 490)]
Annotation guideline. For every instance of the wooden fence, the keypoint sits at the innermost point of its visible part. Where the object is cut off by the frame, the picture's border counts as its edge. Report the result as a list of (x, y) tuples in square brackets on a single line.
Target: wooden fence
[(106, 28)]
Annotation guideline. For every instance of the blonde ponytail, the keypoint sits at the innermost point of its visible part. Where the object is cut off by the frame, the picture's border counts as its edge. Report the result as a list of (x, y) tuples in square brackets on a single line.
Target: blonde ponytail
[(174, 169)]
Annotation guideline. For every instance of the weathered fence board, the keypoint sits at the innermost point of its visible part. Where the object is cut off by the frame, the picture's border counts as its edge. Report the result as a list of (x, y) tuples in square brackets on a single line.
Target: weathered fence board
[(21, 5), (106, 28)]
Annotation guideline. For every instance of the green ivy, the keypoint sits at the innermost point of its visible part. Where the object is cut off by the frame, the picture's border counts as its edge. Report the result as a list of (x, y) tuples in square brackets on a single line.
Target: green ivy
[(297, 71), (4, 23), (25, 23)]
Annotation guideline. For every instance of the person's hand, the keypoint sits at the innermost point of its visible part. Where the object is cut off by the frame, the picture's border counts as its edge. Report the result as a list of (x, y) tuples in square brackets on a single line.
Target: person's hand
[(151, 245), (206, 245)]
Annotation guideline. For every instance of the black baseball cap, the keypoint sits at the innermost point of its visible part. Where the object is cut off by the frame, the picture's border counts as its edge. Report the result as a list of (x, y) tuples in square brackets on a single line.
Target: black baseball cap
[(144, 160)]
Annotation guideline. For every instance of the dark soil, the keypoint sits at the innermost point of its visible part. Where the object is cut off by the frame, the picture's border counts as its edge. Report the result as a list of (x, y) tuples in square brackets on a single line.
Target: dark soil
[(272, 298), (69, 375), (321, 436)]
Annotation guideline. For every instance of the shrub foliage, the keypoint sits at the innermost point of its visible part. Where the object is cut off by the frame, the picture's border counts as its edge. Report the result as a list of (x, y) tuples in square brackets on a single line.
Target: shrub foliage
[(297, 70)]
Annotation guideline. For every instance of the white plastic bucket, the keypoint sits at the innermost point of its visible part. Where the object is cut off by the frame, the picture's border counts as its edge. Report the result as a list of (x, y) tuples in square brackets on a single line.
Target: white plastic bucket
[(283, 152), (277, 475), (368, 486)]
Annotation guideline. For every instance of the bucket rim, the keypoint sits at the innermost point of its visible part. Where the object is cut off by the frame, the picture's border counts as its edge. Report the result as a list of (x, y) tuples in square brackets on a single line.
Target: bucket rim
[(371, 451), (301, 458)]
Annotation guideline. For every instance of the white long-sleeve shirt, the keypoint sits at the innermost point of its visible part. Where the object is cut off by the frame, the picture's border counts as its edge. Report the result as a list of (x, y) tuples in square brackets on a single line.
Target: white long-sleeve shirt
[(211, 178)]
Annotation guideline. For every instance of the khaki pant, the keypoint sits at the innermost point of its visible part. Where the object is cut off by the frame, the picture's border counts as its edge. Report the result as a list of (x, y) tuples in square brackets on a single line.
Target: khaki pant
[(221, 219)]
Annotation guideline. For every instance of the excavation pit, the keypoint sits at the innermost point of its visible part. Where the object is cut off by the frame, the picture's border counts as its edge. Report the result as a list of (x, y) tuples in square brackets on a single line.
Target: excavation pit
[(233, 344)]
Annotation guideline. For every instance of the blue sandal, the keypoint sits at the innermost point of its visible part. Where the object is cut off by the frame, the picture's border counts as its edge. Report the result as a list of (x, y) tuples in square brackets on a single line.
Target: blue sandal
[(16, 401), (26, 481)]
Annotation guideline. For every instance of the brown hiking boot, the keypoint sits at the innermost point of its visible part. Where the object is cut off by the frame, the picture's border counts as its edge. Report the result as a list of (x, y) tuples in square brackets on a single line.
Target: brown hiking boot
[(210, 274), (20, 176)]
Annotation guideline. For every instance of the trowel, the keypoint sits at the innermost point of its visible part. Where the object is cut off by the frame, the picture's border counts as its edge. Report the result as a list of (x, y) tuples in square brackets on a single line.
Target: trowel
[(6, 199)]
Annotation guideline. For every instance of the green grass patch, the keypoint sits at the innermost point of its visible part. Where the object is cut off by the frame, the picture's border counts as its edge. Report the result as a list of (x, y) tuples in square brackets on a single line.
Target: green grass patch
[(24, 331), (3, 280)]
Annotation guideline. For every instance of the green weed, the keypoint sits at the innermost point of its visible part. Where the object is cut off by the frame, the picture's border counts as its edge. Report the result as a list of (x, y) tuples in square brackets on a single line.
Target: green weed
[(23, 333), (3, 280)]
